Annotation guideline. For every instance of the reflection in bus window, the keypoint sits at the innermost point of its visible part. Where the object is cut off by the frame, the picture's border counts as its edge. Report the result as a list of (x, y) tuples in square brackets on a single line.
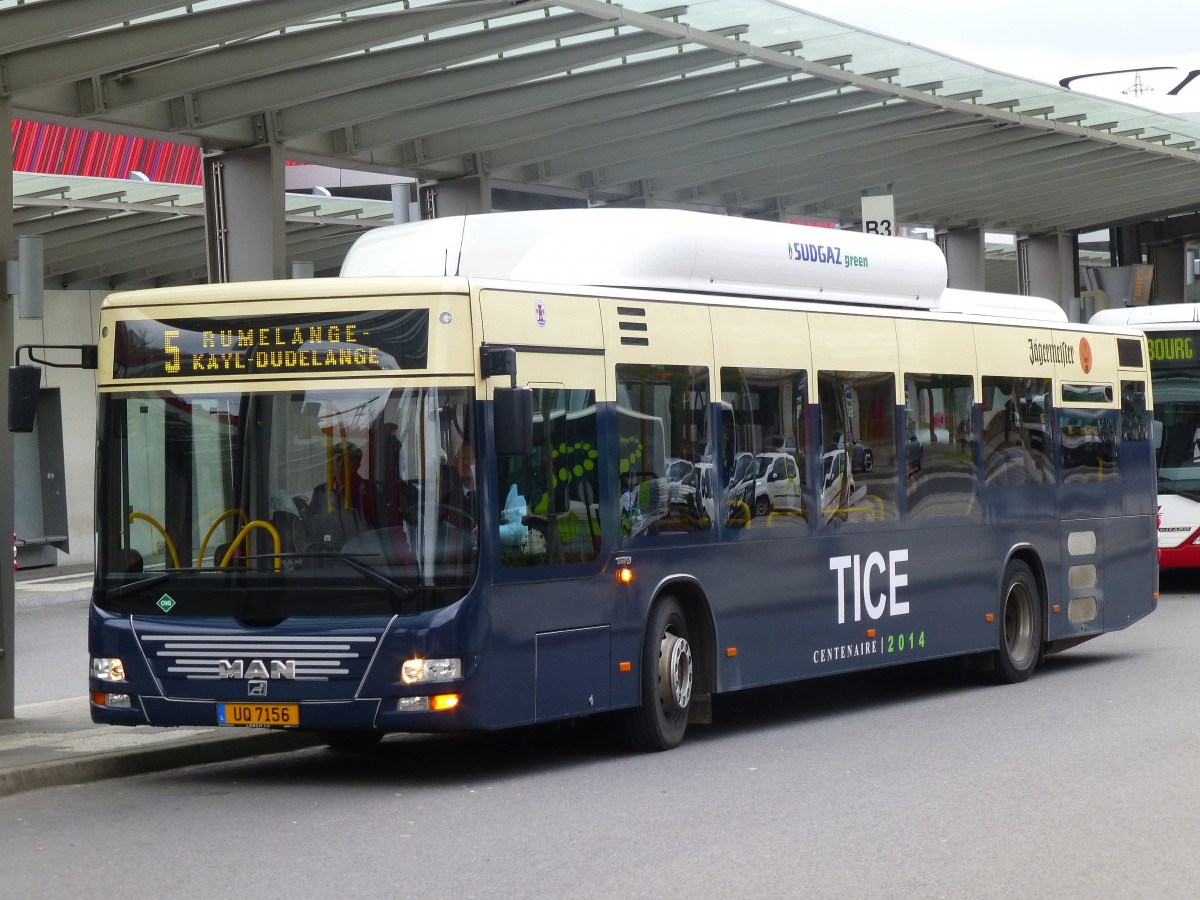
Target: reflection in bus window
[(1135, 419), (1089, 444), (1016, 431), (550, 500), (858, 434), (941, 446), (662, 427), (765, 411)]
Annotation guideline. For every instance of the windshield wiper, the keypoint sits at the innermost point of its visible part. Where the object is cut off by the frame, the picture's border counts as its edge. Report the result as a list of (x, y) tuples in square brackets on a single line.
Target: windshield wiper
[(400, 591), (157, 578)]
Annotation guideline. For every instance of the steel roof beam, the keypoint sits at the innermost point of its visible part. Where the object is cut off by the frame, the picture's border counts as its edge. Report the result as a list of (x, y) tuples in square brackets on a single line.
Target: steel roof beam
[(913, 184), (787, 147), (276, 61), (617, 142), (138, 44), (873, 166), (376, 109), (50, 21), (867, 163), (344, 90), (633, 113)]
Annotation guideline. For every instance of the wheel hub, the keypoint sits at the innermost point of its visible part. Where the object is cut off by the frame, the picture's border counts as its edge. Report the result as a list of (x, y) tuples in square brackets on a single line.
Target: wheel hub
[(675, 672)]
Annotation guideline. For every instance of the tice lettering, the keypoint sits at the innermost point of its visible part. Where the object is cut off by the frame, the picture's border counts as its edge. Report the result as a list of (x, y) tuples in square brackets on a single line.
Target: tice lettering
[(859, 573)]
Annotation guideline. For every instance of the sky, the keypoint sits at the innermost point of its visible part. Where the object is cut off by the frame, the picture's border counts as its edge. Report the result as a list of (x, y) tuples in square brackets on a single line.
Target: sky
[(1047, 40)]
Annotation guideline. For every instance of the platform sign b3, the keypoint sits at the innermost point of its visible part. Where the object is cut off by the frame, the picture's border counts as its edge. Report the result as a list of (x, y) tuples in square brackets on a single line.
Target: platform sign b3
[(879, 215)]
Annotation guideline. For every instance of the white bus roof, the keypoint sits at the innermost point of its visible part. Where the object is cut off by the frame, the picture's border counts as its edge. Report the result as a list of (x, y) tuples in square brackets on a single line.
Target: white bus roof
[(673, 250), (1161, 314)]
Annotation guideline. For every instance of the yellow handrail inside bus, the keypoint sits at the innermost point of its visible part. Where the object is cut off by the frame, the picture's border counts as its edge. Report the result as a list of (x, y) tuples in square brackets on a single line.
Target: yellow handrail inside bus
[(241, 536), (161, 530), (204, 543)]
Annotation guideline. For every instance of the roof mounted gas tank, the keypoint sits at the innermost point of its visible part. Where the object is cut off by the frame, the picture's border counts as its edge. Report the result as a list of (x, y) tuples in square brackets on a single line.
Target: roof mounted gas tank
[(670, 250)]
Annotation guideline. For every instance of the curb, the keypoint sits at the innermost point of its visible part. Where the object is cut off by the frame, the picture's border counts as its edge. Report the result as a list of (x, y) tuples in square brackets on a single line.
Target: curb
[(199, 750)]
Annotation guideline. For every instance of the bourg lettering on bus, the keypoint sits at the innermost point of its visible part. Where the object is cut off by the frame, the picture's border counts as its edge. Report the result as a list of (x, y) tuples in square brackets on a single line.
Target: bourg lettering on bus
[(1171, 349)]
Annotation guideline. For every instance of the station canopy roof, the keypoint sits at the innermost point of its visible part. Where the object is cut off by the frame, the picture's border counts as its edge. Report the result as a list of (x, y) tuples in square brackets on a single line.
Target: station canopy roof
[(748, 107)]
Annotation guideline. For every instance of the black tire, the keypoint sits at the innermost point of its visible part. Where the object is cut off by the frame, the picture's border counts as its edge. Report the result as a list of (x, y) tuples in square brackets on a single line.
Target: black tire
[(762, 505), (351, 741), (1019, 638), (668, 678)]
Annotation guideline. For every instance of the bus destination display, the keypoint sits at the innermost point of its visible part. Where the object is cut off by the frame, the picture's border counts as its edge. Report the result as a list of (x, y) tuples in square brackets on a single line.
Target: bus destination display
[(1173, 349), (271, 345)]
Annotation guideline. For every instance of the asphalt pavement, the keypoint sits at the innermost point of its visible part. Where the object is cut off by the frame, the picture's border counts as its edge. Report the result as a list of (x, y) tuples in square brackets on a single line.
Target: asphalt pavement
[(56, 742)]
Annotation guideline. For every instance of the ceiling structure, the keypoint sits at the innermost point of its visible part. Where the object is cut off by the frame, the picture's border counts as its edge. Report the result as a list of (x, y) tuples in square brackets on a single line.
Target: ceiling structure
[(747, 107), (104, 233)]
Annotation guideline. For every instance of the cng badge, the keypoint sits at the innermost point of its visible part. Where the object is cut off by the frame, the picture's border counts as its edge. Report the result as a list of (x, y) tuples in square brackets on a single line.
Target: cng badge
[(165, 603)]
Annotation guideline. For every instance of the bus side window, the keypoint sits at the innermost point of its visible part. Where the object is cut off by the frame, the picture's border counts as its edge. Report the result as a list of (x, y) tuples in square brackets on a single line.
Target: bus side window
[(941, 446), (764, 416), (662, 430), (549, 501), (1016, 431), (860, 457)]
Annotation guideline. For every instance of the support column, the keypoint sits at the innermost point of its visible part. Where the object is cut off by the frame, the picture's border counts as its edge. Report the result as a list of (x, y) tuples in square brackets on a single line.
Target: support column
[(963, 249), (1170, 272), (1125, 246), (460, 197), (244, 226), (1048, 267), (8, 593)]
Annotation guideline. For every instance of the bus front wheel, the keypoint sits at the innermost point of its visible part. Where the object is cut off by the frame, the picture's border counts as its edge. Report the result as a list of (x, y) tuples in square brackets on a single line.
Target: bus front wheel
[(1020, 633), (668, 678)]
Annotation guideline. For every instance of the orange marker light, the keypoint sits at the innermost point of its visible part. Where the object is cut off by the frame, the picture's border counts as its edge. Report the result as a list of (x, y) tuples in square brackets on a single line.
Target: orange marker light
[(731, 651), (98, 697), (1056, 608), (990, 617), (624, 574), (441, 702), (870, 632), (624, 667)]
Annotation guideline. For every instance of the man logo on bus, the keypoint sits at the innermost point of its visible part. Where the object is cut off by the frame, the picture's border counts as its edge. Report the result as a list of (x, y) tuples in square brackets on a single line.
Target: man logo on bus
[(1085, 355), (539, 313)]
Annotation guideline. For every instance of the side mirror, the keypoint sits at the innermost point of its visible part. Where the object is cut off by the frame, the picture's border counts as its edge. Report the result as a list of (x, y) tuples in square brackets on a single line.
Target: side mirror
[(23, 385), (512, 414)]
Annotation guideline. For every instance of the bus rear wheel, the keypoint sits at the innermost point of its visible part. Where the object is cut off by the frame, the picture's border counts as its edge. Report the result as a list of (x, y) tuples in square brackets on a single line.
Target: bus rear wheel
[(668, 678), (1020, 633)]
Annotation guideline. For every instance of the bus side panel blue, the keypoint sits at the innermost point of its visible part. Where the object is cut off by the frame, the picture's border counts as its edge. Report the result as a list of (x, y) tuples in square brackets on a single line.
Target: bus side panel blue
[(930, 593), (1129, 584)]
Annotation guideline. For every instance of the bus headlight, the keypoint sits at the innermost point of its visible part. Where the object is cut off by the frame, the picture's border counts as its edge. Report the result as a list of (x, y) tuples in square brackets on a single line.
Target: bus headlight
[(430, 671), (108, 668)]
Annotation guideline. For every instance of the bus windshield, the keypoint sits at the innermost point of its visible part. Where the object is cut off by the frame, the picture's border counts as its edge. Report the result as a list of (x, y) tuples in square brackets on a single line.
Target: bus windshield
[(1177, 431), (259, 504)]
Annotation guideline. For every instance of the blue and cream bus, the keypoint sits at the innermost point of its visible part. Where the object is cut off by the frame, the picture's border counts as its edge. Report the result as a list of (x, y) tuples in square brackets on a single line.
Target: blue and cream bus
[(503, 471)]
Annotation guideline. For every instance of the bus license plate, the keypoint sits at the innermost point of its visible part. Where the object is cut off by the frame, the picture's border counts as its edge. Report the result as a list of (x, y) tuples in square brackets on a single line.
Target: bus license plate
[(258, 714)]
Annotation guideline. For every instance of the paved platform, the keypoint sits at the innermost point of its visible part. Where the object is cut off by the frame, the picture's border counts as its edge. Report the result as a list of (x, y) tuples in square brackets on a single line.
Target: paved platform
[(56, 742)]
